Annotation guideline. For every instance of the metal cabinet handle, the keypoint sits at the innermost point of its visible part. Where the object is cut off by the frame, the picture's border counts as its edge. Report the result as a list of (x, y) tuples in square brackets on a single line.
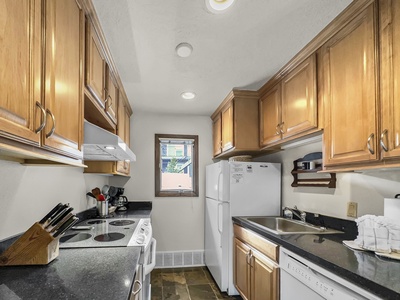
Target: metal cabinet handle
[(139, 289), (277, 129), (371, 136), (281, 127), (43, 124), (50, 133), (384, 147)]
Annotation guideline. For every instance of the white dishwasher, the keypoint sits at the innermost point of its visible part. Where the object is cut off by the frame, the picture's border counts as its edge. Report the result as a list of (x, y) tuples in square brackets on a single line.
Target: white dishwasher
[(302, 279)]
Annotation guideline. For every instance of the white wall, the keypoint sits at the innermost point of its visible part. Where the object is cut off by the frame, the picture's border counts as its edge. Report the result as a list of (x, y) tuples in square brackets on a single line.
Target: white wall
[(368, 189), (178, 223), (27, 193)]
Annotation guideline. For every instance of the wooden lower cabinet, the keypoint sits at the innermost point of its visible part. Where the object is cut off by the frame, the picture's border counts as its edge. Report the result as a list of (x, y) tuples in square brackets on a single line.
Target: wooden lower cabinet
[(256, 276)]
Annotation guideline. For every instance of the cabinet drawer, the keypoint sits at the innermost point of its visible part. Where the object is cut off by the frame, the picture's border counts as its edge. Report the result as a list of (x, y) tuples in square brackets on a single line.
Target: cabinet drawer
[(258, 242)]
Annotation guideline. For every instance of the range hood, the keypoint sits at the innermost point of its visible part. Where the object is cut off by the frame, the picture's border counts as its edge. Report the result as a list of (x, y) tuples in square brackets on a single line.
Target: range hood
[(102, 145)]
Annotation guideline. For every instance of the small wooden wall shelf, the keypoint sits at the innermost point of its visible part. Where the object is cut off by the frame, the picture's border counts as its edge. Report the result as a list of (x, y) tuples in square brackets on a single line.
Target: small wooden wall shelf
[(329, 182), (35, 247)]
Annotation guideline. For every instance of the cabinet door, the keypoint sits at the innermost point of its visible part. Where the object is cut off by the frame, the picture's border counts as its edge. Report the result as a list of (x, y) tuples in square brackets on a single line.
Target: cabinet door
[(123, 130), (64, 78), (20, 56), (111, 102), (270, 116), (227, 127), (95, 65), (241, 269), (299, 99), (390, 78), (349, 91), (264, 278), (217, 139)]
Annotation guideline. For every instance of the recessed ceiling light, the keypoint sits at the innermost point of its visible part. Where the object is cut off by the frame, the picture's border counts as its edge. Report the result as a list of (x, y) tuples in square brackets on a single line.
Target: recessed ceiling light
[(184, 49), (188, 95), (218, 6)]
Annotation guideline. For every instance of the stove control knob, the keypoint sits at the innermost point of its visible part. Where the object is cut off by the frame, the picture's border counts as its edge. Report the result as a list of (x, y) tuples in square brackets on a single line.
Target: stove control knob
[(140, 239)]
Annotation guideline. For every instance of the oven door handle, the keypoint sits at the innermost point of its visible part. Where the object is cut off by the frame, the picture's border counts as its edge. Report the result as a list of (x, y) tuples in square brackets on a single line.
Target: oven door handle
[(149, 267)]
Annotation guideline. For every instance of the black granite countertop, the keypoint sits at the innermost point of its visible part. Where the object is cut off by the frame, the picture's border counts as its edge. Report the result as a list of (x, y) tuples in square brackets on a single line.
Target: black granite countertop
[(363, 268), (79, 273)]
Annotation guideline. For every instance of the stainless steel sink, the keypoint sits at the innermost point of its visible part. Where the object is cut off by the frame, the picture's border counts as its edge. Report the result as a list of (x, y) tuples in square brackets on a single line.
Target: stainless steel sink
[(281, 226)]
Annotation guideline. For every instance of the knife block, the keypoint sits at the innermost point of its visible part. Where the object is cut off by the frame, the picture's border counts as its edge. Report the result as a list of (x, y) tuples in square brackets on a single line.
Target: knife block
[(35, 247)]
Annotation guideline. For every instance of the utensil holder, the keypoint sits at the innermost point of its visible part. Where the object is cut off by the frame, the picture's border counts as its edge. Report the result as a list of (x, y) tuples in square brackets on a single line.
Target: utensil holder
[(102, 208), (35, 247)]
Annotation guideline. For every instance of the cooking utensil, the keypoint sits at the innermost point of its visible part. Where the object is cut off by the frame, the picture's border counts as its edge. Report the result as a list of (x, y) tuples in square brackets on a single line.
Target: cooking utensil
[(105, 189), (90, 195), (50, 214), (96, 192), (67, 225)]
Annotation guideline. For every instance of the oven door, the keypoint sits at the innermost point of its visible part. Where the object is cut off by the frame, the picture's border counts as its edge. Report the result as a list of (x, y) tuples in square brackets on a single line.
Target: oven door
[(148, 266)]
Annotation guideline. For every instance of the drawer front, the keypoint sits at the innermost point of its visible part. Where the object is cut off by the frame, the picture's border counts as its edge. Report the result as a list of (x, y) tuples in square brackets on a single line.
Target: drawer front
[(258, 242)]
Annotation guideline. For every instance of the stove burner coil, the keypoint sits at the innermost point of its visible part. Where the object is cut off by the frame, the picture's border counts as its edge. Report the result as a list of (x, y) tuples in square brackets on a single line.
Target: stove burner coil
[(109, 237), (96, 222), (77, 237), (122, 222)]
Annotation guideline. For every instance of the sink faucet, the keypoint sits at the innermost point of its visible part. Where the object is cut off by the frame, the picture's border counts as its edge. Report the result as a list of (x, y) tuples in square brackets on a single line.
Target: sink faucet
[(289, 212)]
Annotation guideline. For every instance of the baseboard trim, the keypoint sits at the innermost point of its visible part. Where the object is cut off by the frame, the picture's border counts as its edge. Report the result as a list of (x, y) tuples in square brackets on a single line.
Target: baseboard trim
[(179, 259)]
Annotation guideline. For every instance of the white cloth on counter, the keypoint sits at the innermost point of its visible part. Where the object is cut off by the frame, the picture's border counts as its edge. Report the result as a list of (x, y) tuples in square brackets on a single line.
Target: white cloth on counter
[(378, 233)]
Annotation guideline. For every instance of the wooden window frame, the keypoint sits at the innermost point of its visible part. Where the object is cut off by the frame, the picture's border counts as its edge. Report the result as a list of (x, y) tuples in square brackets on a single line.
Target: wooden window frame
[(195, 162)]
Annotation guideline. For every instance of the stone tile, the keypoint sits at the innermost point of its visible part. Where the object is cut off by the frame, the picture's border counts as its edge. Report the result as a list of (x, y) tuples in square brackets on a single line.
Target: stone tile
[(201, 292), (179, 278), (196, 277), (156, 292), (208, 275), (168, 279), (175, 292), (156, 279)]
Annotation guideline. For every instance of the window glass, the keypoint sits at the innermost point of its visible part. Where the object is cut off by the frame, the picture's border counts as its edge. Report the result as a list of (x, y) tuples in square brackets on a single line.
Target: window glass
[(176, 165)]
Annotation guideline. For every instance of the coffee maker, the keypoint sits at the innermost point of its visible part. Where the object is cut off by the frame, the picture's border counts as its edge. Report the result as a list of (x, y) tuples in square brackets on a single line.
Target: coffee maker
[(117, 198)]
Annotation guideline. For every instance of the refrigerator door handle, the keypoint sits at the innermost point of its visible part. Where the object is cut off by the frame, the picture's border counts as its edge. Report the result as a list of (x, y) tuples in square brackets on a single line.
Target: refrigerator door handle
[(219, 229), (219, 177)]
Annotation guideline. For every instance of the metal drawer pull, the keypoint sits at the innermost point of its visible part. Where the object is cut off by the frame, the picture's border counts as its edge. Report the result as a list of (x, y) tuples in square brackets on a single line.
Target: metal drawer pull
[(43, 124), (139, 289), (54, 124), (384, 147), (371, 136)]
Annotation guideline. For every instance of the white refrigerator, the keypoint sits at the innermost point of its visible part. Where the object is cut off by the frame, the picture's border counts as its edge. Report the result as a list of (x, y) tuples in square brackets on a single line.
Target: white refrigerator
[(235, 189)]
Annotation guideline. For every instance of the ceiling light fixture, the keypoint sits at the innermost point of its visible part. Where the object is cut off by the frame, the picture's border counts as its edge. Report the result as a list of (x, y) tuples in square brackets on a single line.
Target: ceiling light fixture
[(188, 95), (184, 49), (218, 6)]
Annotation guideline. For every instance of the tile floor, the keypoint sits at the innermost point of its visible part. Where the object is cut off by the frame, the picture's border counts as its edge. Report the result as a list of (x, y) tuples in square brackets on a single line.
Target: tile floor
[(185, 284)]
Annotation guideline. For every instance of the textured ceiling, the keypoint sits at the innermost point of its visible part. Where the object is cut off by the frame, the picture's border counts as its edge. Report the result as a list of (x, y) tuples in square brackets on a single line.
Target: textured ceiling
[(241, 48)]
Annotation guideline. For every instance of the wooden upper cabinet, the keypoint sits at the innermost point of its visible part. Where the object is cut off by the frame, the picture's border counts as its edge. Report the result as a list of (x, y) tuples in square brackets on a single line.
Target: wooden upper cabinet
[(20, 55), (112, 94), (217, 135), (290, 108), (123, 130), (299, 99), (64, 42), (227, 127), (389, 137), (350, 92), (95, 66), (235, 124), (270, 116)]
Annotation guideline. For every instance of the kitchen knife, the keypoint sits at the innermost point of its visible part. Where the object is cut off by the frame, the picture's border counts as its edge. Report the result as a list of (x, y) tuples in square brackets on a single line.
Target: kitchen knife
[(59, 210), (60, 223), (50, 214), (67, 225), (59, 216)]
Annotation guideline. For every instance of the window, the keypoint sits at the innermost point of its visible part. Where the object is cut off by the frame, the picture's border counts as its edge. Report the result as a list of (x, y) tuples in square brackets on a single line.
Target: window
[(176, 165)]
